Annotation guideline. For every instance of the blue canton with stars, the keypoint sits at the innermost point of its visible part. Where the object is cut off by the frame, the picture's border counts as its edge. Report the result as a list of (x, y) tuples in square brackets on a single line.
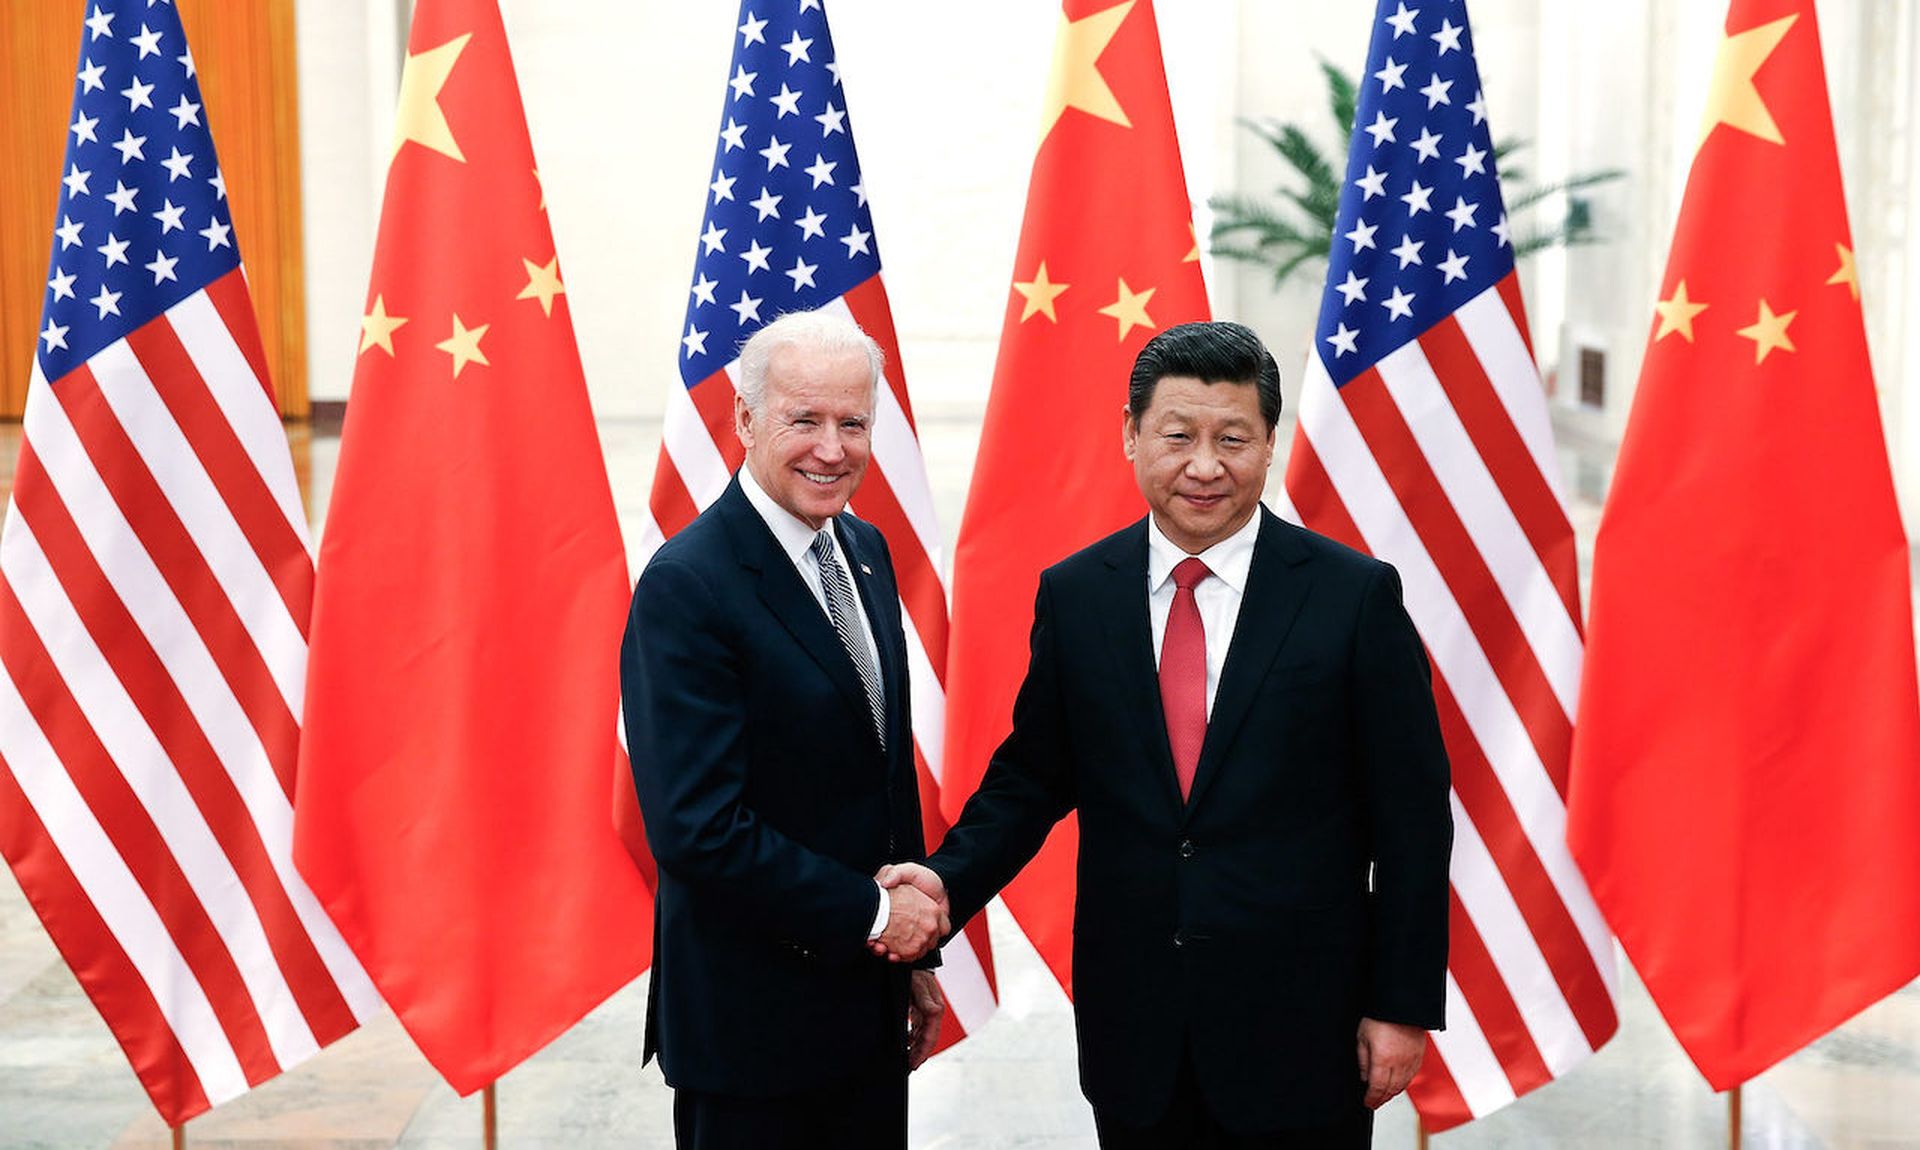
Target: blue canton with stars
[(787, 227), (1421, 228), (143, 219)]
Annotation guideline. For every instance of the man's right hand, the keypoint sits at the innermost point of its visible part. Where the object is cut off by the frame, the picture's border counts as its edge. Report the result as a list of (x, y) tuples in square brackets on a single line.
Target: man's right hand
[(915, 924)]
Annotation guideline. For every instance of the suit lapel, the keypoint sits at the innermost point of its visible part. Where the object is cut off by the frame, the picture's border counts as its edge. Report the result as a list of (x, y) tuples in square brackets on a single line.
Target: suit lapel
[(787, 596), (1123, 606), (1278, 585)]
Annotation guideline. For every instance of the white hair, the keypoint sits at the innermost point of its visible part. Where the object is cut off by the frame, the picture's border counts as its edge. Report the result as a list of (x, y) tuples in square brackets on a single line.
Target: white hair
[(825, 330)]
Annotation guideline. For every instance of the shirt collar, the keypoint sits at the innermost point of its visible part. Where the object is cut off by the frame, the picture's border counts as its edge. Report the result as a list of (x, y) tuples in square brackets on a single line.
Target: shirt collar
[(789, 530), (1229, 560)]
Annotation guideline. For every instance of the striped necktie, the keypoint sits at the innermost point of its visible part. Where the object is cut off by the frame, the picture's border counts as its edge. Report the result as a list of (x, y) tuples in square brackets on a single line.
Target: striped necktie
[(841, 608)]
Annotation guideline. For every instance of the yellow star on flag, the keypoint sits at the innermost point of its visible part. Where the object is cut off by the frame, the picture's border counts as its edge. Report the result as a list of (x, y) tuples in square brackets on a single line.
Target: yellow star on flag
[(464, 346), (1676, 314), (1075, 80), (377, 327), (1768, 332), (1847, 274), (419, 117), (1732, 98), (1040, 293), (543, 283), (1192, 257), (1130, 309)]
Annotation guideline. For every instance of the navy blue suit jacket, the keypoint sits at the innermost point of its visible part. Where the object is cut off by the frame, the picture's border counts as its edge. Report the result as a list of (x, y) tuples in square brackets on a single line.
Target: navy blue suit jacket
[(769, 805), (1301, 886)]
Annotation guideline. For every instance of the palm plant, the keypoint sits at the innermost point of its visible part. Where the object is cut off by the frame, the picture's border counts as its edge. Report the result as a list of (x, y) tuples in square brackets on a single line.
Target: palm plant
[(1295, 230)]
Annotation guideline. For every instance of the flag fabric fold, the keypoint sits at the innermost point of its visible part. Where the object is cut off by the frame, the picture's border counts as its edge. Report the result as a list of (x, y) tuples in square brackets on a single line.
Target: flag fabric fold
[(1746, 768), (155, 587), (787, 229), (471, 590), (1107, 258), (1424, 439)]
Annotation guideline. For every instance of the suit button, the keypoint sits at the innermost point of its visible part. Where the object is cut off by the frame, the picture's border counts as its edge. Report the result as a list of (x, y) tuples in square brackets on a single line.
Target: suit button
[(1186, 848), (1179, 938)]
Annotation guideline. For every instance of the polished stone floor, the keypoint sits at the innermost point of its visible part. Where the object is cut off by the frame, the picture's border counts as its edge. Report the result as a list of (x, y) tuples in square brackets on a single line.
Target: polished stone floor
[(63, 1082)]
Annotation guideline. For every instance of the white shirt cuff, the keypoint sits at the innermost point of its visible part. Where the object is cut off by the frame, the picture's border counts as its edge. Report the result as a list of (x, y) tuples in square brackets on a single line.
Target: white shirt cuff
[(880, 916)]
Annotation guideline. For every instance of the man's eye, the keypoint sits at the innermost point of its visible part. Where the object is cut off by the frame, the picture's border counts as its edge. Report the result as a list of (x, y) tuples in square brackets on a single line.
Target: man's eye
[(804, 422), (1176, 436)]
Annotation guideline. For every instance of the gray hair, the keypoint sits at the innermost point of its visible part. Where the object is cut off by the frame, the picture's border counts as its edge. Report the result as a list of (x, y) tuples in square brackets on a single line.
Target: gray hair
[(825, 330)]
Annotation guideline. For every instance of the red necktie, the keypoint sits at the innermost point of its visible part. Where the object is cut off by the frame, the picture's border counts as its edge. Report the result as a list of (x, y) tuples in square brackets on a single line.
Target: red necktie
[(1183, 674)]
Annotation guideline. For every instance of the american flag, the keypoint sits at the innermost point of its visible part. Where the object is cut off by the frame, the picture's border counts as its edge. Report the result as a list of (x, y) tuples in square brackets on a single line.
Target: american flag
[(787, 229), (1424, 439), (155, 577)]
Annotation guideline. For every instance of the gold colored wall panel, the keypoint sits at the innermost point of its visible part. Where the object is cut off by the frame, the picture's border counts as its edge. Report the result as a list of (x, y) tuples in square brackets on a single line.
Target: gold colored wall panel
[(243, 51)]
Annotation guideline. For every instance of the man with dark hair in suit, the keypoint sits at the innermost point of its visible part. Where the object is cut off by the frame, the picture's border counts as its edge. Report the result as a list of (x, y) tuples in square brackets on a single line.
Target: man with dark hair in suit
[(1241, 712), (764, 679)]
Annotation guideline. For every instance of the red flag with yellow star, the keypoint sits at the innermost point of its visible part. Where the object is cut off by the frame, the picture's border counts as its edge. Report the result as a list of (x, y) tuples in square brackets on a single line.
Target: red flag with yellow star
[(1746, 767), (1107, 258), (452, 798)]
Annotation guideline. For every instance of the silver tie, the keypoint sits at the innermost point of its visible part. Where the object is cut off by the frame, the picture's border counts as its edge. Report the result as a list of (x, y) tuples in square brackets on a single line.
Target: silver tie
[(841, 607)]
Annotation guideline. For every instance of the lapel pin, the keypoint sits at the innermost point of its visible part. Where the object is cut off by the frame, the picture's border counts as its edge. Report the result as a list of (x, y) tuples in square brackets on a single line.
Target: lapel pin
[(865, 570)]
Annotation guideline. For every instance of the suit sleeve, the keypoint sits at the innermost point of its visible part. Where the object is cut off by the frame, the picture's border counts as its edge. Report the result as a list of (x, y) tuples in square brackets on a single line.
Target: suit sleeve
[(1028, 785), (685, 711), (1404, 772)]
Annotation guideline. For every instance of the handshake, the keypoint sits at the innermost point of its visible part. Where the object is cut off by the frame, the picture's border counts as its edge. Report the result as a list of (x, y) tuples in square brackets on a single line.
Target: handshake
[(917, 912)]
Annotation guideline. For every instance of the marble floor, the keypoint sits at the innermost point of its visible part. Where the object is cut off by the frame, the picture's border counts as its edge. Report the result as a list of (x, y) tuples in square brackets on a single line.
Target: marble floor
[(64, 1083)]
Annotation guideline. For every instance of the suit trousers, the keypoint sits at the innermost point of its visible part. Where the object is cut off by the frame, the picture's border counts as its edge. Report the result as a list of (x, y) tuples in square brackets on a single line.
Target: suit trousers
[(1188, 1124), (867, 1113)]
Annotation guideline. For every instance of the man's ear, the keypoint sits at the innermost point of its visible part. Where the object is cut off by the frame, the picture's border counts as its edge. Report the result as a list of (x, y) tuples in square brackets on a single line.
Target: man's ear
[(743, 421), (1129, 431)]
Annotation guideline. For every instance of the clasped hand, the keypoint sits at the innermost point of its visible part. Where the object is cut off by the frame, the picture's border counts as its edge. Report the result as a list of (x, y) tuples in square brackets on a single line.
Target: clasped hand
[(917, 912)]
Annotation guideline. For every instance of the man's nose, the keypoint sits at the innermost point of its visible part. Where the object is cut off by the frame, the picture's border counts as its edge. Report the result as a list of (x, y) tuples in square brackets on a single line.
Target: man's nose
[(831, 445), (1204, 463)]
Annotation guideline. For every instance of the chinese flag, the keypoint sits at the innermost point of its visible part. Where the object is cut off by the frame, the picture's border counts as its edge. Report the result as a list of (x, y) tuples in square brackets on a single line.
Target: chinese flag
[(452, 801), (1745, 794), (1107, 258)]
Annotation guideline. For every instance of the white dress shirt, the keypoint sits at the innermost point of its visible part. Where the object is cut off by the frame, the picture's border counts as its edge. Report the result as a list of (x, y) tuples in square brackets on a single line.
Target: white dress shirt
[(795, 538), (1218, 597)]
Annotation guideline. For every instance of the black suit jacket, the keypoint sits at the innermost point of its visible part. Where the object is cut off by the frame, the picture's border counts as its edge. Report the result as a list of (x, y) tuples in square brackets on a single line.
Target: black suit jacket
[(1240, 923), (769, 805)]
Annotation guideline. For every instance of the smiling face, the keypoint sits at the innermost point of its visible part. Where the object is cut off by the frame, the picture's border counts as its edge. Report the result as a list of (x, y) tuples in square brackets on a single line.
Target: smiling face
[(1200, 454), (809, 443)]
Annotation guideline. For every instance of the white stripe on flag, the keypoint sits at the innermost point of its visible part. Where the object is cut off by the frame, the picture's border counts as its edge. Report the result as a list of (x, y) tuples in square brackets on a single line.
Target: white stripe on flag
[(1476, 498), (929, 700), (695, 456), (143, 762), (243, 400), (1470, 1060), (1516, 955), (223, 546), (114, 893), (1503, 354), (1457, 655), (965, 985)]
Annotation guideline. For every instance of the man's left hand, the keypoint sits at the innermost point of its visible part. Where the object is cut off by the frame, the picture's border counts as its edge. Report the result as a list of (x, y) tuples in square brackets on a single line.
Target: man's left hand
[(924, 1012), (1390, 1056)]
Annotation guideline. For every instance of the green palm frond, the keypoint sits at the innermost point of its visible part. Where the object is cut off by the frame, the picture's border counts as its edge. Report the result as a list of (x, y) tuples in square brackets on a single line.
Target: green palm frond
[(1291, 231)]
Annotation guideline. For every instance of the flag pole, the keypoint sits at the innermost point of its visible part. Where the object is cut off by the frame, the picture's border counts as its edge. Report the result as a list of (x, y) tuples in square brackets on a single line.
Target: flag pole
[(489, 1118), (1733, 1119), (179, 1136), (1420, 1132)]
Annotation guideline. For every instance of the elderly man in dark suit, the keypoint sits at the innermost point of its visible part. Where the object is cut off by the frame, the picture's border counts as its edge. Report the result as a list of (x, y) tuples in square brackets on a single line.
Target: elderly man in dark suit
[(764, 675), (1241, 712)]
